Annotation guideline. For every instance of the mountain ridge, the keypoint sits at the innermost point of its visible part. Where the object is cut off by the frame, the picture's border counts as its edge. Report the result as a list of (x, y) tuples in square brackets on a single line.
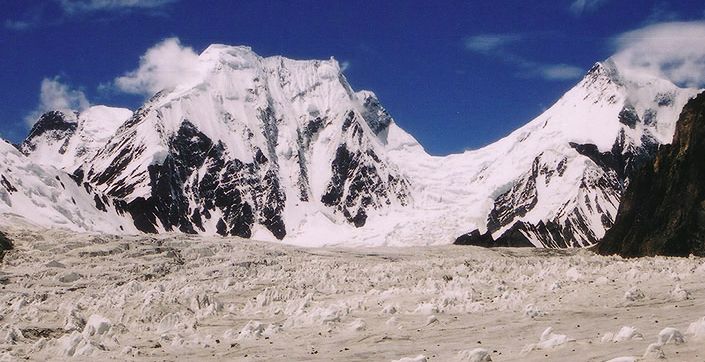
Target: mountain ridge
[(274, 148)]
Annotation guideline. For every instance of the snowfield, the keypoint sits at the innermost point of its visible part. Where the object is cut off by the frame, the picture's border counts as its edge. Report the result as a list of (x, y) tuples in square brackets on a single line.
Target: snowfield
[(168, 297)]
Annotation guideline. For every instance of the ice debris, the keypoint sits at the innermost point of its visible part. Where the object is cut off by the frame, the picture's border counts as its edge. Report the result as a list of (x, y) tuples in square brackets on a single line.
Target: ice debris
[(626, 333), (475, 355), (670, 335), (548, 340), (634, 294), (419, 358)]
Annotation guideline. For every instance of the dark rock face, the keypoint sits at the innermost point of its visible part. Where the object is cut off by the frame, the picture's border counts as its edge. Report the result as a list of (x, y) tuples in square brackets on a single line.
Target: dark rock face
[(622, 159), (52, 125), (663, 209), (241, 192), (551, 234), (7, 185), (570, 224), (375, 115), (357, 183), (5, 244), (304, 137), (628, 116), (512, 238), (521, 198)]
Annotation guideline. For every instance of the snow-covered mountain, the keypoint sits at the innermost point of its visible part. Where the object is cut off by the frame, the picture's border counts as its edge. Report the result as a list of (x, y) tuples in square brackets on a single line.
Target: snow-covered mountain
[(557, 181), (273, 148), (257, 145)]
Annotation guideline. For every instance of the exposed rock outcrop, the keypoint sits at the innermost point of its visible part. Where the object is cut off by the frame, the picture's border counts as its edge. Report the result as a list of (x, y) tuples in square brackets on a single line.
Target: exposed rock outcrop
[(663, 209)]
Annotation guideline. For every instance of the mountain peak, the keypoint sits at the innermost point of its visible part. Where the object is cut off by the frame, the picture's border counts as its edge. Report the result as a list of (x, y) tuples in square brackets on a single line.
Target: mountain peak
[(602, 74), (53, 125), (607, 68), (229, 54)]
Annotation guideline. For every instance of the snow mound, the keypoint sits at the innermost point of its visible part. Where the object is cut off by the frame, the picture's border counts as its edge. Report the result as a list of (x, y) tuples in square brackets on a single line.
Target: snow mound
[(426, 309), (532, 311), (96, 325), (548, 340), (419, 358), (697, 329), (76, 344), (634, 294), (670, 335), (475, 355), (358, 325), (624, 359), (256, 329), (390, 309), (626, 333), (679, 294), (654, 351)]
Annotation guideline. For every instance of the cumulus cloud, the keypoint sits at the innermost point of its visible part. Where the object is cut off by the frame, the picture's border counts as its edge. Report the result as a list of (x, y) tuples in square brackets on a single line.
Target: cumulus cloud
[(87, 6), (498, 46), (165, 65), (580, 7), (673, 50), (55, 95)]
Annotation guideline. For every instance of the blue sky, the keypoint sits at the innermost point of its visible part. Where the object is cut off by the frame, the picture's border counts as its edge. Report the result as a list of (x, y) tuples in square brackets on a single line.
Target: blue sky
[(455, 74)]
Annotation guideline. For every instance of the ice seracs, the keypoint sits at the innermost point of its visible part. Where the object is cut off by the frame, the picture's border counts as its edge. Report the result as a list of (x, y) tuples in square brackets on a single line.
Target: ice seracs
[(41, 195)]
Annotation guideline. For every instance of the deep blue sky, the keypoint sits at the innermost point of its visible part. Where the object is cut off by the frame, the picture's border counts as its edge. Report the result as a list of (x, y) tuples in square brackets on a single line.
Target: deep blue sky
[(424, 59)]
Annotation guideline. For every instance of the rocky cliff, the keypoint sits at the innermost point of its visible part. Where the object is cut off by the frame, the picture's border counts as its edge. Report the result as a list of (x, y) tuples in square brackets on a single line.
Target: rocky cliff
[(663, 209)]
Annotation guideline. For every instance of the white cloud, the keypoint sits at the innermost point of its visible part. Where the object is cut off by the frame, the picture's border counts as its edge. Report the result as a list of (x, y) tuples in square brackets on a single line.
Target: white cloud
[(661, 12), (489, 43), (579, 7), (55, 95), (38, 16), (165, 65), (86, 6), (674, 50), (345, 66), (561, 72), (498, 46), (18, 25)]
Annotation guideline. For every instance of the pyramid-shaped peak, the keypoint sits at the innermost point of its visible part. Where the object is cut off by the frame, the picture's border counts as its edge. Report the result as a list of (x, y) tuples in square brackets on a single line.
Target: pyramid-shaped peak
[(606, 70)]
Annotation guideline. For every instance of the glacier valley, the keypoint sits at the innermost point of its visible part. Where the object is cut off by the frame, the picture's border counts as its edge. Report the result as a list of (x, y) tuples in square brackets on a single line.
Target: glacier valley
[(166, 297)]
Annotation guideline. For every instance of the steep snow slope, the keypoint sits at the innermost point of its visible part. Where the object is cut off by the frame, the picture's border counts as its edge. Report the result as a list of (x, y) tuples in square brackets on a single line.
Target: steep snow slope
[(274, 148), (42, 195)]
